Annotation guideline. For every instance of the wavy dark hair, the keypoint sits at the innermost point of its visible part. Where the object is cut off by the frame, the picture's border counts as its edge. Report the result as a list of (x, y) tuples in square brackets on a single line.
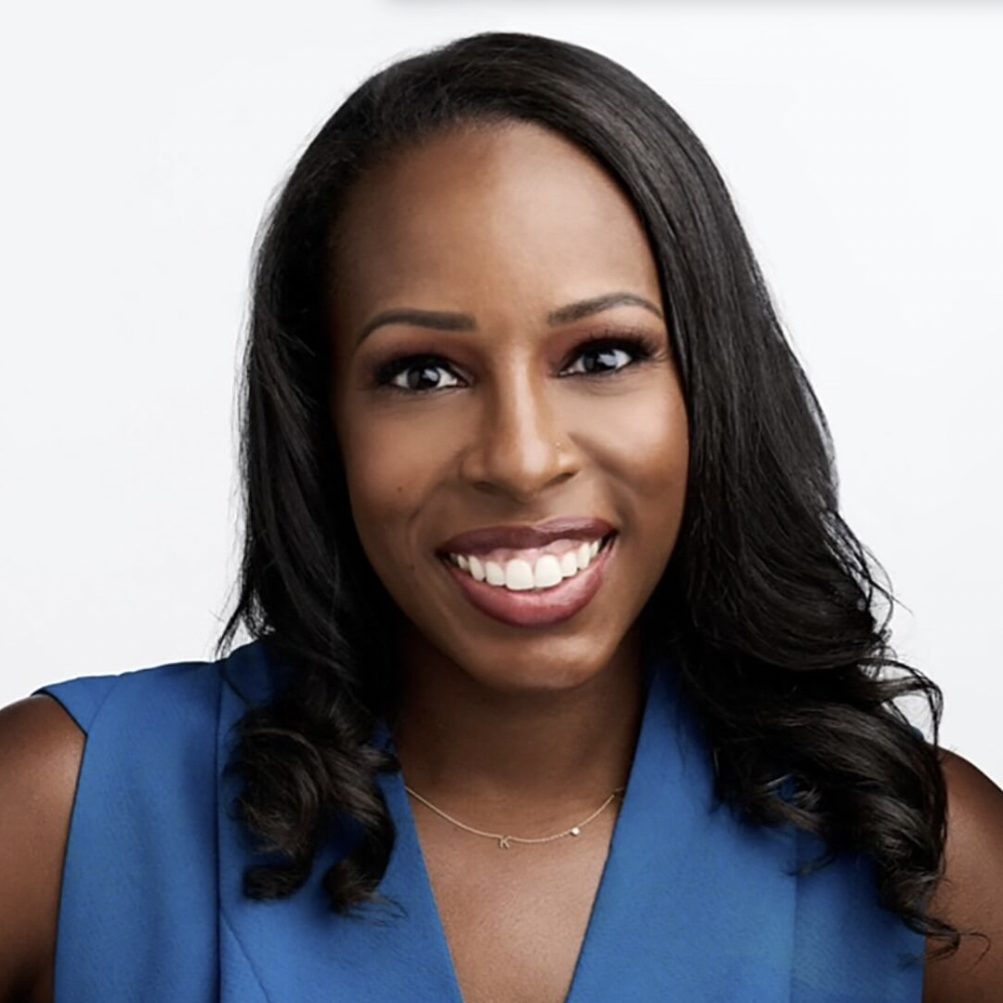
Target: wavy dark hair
[(774, 614)]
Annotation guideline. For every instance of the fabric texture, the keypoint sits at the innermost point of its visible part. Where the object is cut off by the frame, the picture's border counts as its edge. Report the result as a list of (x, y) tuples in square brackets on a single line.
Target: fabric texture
[(693, 904)]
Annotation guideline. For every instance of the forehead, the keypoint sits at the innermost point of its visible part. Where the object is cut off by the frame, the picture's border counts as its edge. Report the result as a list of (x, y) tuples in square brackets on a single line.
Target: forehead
[(511, 209)]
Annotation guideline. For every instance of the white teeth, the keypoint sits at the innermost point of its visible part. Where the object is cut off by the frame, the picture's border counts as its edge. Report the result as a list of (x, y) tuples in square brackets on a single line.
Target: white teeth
[(547, 572), (494, 573), (477, 569), (569, 564), (520, 575)]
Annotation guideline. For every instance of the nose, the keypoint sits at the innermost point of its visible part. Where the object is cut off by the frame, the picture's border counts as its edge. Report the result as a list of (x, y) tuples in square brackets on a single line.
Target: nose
[(518, 446)]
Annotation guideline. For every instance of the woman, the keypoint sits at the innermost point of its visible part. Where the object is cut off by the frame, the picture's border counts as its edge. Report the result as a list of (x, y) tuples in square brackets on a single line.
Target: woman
[(567, 678)]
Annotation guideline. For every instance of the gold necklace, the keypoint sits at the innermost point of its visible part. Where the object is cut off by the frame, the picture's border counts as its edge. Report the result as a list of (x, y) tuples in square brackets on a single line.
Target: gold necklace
[(505, 842)]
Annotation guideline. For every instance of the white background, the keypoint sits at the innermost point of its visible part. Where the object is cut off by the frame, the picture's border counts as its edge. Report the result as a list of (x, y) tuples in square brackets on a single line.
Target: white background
[(141, 145)]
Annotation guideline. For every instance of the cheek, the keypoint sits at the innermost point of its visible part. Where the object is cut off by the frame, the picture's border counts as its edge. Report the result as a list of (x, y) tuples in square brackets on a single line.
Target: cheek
[(644, 453), (390, 472), (663, 449), (646, 445)]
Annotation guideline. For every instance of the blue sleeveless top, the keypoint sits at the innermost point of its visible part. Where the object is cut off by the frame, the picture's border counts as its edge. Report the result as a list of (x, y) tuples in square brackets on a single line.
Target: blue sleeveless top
[(693, 904)]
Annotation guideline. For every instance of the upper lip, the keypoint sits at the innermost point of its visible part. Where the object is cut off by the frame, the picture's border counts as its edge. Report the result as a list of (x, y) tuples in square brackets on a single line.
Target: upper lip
[(489, 538)]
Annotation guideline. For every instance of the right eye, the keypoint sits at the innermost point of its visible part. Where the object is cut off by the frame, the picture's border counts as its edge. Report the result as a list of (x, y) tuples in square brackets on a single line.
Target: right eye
[(416, 374)]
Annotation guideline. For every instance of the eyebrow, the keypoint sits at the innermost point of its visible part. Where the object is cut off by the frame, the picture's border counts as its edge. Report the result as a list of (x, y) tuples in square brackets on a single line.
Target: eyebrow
[(439, 320)]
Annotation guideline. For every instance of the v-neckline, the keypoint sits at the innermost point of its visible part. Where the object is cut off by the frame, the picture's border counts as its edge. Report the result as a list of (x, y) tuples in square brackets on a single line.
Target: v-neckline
[(410, 843), (693, 901)]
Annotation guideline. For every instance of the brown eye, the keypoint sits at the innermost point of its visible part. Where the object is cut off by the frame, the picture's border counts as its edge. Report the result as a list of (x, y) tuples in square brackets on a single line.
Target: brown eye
[(605, 355), (603, 360), (417, 374)]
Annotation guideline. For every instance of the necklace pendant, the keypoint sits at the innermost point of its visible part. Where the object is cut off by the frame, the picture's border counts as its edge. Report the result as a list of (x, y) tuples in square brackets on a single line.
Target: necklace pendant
[(576, 831), (504, 843)]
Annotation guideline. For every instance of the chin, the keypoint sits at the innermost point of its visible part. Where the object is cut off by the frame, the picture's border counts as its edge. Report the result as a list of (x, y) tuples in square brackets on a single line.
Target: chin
[(539, 675)]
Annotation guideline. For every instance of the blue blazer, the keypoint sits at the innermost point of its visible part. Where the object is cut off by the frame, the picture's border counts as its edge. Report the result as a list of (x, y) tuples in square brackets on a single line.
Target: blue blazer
[(694, 905)]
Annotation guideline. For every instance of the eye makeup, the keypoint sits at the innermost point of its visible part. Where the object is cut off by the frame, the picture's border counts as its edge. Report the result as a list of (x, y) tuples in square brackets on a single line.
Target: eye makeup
[(639, 346)]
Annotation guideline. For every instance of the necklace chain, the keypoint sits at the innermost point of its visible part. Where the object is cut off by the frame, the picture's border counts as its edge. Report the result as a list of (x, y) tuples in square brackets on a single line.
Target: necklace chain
[(504, 841)]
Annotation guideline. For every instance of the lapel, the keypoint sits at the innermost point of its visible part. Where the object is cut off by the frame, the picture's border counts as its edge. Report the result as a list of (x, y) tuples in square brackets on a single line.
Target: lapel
[(692, 904), (298, 948)]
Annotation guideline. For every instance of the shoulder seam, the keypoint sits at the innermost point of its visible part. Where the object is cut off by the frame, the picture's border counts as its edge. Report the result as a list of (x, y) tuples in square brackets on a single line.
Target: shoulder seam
[(51, 690), (100, 707)]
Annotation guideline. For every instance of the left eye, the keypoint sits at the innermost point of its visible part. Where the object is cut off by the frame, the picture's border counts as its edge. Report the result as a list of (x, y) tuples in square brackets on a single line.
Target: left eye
[(602, 359)]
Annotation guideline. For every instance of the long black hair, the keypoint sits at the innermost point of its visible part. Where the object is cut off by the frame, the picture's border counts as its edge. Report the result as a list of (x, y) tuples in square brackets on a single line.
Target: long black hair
[(774, 613)]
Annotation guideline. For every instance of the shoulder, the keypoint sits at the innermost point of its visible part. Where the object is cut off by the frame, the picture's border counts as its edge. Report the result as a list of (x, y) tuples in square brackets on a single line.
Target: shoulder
[(970, 892), (41, 748), (112, 745), (102, 733)]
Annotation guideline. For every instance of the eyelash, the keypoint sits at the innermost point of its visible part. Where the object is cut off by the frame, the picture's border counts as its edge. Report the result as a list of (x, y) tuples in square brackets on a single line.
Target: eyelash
[(640, 347)]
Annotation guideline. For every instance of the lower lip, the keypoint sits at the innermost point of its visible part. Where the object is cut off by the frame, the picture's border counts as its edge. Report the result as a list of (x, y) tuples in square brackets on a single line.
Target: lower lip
[(536, 607)]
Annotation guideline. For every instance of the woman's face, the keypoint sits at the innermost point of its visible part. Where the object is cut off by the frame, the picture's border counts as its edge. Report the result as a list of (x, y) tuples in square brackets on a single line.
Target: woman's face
[(469, 279)]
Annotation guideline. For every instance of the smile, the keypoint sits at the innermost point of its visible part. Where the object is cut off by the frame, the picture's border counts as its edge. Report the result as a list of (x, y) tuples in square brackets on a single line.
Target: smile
[(521, 570), (533, 588)]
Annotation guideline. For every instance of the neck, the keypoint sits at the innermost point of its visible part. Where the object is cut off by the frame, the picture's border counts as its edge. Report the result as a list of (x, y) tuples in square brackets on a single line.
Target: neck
[(476, 747)]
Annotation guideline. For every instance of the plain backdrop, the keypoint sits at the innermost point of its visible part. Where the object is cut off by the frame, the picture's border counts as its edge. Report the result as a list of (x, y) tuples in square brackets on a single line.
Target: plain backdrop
[(142, 143)]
